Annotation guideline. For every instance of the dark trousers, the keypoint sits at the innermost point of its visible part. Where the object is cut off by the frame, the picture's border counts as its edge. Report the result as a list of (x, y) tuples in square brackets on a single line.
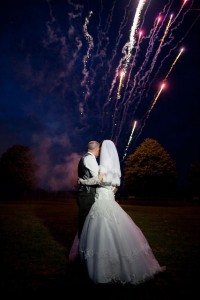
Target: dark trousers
[(85, 201)]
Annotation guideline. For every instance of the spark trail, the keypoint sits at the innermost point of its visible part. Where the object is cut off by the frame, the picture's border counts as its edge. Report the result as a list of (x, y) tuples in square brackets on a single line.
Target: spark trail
[(134, 29), (130, 138), (144, 80), (169, 41), (148, 112), (128, 47), (180, 10), (127, 83), (160, 90), (122, 74), (156, 98), (85, 71), (173, 64)]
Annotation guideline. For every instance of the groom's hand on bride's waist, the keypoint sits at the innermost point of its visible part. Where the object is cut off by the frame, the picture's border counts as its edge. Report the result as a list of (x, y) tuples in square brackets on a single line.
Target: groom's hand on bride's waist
[(78, 181)]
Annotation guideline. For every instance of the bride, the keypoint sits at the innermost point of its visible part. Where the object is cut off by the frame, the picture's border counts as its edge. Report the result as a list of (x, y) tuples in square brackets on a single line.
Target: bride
[(111, 246)]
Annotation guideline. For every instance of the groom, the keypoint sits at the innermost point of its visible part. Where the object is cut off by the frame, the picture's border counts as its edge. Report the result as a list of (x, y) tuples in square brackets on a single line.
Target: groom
[(87, 168)]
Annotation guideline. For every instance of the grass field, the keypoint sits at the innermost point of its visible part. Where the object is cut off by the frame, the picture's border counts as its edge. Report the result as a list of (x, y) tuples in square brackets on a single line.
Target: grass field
[(36, 237)]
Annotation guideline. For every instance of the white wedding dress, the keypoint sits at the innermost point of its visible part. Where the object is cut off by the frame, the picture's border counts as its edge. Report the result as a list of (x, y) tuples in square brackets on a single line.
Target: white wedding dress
[(112, 246)]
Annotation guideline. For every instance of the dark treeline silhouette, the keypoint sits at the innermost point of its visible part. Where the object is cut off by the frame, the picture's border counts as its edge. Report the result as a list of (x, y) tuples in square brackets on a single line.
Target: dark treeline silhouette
[(150, 171), (147, 173), (17, 172)]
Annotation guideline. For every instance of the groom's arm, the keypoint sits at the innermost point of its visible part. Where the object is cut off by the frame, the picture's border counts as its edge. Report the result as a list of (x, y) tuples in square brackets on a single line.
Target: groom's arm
[(90, 181), (91, 164)]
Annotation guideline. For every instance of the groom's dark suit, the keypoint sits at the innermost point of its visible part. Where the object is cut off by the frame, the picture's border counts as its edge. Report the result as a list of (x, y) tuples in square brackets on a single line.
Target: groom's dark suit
[(87, 168)]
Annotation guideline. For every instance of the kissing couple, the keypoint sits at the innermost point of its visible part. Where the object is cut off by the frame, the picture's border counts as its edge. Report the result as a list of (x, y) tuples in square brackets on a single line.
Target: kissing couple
[(110, 245)]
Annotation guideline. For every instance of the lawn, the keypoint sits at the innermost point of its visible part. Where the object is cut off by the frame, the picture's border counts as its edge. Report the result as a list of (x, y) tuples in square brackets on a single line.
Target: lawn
[(36, 237)]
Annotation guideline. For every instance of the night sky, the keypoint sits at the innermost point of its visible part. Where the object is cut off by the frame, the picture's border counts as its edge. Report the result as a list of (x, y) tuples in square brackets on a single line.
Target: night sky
[(61, 63)]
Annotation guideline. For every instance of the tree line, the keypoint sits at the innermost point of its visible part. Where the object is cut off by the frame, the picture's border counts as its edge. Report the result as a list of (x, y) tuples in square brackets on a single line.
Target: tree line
[(149, 171)]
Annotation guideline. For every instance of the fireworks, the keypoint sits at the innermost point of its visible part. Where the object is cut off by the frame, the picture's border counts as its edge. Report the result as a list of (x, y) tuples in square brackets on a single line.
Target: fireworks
[(173, 64), (138, 85), (130, 139), (118, 78), (156, 97), (134, 29), (120, 84)]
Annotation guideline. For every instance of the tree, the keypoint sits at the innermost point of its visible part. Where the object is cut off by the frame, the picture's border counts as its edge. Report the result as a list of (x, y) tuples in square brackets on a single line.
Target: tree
[(194, 178), (150, 170), (17, 171)]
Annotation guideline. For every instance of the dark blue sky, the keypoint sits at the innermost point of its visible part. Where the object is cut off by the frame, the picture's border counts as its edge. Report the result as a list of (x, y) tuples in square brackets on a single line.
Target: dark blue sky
[(58, 83)]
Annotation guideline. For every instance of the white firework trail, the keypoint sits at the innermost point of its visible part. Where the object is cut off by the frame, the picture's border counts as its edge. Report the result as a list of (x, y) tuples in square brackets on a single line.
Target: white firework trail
[(128, 47), (134, 29), (130, 139), (85, 72)]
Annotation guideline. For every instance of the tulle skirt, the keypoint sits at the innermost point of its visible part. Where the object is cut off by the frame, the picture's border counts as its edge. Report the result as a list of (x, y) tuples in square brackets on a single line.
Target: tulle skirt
[(112, 246)]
